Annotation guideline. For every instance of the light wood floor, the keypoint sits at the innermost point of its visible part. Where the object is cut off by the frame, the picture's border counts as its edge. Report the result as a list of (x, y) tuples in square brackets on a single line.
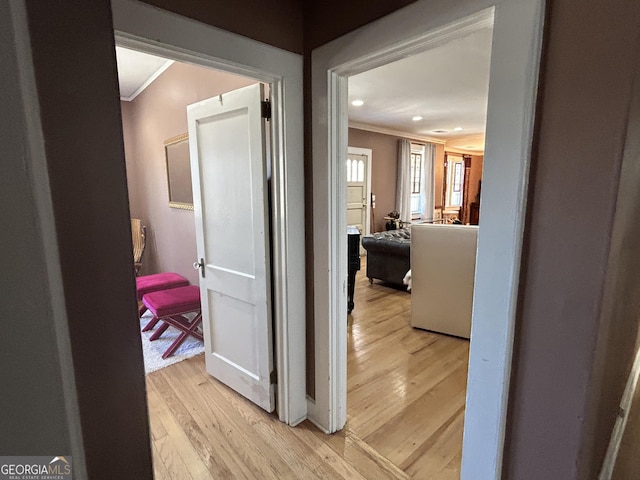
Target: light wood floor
[(406, 392)]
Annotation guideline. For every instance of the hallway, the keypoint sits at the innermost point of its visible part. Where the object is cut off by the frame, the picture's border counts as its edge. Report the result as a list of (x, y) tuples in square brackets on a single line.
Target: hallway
[(406, 394)]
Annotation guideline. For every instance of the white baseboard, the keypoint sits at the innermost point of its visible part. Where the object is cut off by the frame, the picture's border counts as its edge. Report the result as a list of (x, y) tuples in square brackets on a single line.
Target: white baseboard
[(312, 415), (621, 422)]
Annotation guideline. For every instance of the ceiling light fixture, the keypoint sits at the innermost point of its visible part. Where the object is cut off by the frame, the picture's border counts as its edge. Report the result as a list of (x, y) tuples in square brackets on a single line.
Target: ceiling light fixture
[(357, 103), (417, 118), (439, 131), (457, 129)]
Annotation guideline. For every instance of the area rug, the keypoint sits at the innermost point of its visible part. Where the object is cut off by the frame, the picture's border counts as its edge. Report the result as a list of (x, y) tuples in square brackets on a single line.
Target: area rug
[(153, 351)]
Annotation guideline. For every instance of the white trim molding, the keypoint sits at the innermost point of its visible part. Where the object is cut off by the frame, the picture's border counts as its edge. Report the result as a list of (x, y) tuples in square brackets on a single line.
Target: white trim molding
[(152, 30), (395, 133), (148, 81), (517, 35)]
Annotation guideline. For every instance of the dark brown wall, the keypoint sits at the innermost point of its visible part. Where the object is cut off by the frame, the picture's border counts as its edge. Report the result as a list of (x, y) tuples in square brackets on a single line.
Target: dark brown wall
[(620, 315), (328, 20), (278, 23), (156, 115), (586, 80), (32, 378), (77, 89)]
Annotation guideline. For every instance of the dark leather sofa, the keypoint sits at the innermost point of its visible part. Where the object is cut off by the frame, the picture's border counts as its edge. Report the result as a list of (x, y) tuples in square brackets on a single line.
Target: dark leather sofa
[(388, 255)]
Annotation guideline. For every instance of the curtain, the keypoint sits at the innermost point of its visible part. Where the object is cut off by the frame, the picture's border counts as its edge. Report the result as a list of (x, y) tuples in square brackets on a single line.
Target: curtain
[(427, 197), (403, 186)]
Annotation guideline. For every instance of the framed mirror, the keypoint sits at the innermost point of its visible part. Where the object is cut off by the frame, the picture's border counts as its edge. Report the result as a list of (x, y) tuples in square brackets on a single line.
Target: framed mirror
[(176, 152)]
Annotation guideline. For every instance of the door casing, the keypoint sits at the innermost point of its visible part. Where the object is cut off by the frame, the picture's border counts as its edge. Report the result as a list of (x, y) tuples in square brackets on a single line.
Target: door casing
[(159, 32), (517, 40)]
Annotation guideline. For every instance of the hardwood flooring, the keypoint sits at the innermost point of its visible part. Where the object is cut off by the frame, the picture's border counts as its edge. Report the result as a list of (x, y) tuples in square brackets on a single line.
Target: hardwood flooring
[(406, 394)]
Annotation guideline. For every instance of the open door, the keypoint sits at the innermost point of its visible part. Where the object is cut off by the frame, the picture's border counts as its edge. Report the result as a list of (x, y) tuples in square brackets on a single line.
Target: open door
[(227, 145), (358, 186)]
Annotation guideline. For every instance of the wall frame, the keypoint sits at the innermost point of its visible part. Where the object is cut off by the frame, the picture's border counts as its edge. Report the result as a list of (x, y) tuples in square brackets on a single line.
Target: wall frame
[(179, 187)]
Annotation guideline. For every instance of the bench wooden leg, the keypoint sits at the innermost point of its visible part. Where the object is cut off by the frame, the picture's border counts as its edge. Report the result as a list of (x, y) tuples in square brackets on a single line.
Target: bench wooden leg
[(188, 328), (163, 328), (151, 324)]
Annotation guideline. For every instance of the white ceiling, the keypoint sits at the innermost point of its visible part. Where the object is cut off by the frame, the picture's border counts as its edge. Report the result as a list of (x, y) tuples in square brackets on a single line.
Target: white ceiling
[(136, 71), (448, 86)]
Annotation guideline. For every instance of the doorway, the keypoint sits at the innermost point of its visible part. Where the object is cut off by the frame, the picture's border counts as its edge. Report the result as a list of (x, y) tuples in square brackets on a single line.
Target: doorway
[(144, 28), (514, 73), (359, 201), (406, 379)]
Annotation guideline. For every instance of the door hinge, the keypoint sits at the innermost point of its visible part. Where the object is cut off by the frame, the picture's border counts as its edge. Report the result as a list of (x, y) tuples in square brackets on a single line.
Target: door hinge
[(273, 377), (266, 109)]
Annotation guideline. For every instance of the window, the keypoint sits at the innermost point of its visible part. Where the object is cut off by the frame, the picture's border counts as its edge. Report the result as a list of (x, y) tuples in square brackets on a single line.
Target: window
[(417, 179), (355, 170), (455, 180)]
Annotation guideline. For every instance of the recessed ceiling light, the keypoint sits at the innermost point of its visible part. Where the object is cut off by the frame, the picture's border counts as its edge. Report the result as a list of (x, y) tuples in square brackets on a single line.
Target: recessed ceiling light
[(457, 129), (439, 131), (470, 147), (357, 103), (417, 118)]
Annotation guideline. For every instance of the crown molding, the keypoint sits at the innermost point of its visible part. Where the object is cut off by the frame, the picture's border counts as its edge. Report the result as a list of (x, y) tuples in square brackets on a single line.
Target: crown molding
[(462, 151), (149, 81), (395, 133)]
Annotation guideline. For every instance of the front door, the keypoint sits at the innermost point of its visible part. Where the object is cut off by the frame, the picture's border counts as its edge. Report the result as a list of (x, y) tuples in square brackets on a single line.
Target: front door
[(357, 190), (228, 163)]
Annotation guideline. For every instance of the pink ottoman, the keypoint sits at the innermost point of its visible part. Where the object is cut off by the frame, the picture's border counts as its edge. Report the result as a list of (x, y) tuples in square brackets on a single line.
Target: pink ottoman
[(153, 283), (169, 307)]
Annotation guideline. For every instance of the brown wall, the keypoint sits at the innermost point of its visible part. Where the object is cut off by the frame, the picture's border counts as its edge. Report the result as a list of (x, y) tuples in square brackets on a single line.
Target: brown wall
[(620, 316), (158, 114), (582, 118), (328, 20), (384, 170), (77, 88), (32, 378), (277, 22)]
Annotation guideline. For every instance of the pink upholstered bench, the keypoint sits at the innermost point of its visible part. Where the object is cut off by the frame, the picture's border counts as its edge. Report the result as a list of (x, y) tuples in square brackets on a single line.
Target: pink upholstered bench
[(153, 283), (170, 307)]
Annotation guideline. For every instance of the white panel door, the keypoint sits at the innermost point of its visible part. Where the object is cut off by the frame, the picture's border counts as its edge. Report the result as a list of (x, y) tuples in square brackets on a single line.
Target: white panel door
[(227, 145), (357, 191)]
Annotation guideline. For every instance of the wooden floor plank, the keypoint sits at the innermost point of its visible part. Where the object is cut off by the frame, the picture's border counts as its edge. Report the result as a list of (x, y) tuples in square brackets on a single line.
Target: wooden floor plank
[(365, 459), (406, 394)]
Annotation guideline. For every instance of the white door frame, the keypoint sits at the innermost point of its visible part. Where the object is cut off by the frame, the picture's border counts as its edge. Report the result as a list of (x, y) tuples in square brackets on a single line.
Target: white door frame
[(152, 30), (517, 39), (369, 153)]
